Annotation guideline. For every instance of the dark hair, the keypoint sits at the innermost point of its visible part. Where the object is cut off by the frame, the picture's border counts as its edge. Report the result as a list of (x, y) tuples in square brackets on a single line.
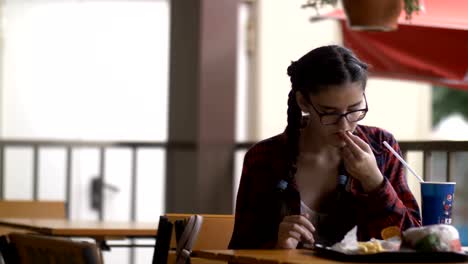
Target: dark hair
[(315, 72)]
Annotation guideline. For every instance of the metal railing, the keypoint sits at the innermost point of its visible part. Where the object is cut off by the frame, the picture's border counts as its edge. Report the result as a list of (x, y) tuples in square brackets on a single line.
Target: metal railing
[(69, 146), (450, 148)]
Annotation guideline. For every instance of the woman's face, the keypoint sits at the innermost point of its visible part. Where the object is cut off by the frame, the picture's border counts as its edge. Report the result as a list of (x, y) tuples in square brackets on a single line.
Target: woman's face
[(331, 104)]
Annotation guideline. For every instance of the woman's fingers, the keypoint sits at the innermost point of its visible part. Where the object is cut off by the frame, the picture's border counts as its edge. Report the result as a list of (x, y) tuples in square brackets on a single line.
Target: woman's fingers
[(287, 230), (359, 142), (296, 231), (360, 162), (356, 146), (288, 243), (293, 229), (354, 149), (300, 220)]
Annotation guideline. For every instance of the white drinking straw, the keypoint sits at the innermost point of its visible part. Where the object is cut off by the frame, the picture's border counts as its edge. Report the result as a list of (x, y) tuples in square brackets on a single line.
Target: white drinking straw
[(402, 161)]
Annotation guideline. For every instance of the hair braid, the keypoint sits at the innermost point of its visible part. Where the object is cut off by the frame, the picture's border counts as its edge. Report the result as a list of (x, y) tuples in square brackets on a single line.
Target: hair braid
[(293, 132)]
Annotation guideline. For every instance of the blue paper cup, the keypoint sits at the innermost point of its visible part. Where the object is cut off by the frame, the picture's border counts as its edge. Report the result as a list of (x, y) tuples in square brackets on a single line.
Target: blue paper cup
[(437, 202)]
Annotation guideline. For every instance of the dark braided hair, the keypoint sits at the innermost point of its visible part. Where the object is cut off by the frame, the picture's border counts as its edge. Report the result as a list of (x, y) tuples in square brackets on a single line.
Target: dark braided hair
[(313, 73)]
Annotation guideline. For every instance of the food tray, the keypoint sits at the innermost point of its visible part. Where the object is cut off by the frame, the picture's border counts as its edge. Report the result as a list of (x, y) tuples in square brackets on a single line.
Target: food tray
[(402, 256)]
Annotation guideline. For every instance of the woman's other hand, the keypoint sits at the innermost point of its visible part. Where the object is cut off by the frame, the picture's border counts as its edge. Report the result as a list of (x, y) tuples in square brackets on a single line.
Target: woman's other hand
[(294, 229), (359, 161)]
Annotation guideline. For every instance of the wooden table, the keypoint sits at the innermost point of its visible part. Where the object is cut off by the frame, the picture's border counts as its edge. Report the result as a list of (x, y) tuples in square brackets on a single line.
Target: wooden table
[(101, 231), (71, 228), (296, 256), (263, 256)]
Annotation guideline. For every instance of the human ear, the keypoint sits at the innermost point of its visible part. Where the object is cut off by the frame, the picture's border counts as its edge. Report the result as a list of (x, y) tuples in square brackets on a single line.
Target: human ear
[(302, 102)]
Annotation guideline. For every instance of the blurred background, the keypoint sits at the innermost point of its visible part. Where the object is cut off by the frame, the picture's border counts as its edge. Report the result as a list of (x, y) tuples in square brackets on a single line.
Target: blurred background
[(124, 92)]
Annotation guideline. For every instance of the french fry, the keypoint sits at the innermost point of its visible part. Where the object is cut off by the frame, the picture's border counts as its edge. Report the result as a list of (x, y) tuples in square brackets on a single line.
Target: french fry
[(362, 248), (370, 247), (379, 247)]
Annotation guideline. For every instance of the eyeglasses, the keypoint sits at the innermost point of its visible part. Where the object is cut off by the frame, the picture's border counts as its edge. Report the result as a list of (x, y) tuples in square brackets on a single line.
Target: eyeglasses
[(351, 116)]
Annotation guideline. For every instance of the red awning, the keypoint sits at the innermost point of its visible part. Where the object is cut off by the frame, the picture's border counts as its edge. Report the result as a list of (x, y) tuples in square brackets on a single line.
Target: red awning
[(432, 47)]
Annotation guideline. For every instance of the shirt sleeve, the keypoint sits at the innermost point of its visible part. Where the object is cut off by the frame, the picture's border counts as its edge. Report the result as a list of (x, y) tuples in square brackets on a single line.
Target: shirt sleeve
[(392, 204), (254, 225)]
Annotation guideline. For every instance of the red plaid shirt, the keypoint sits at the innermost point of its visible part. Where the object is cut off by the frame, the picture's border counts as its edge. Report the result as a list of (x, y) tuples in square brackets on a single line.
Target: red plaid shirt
[(265, 165)]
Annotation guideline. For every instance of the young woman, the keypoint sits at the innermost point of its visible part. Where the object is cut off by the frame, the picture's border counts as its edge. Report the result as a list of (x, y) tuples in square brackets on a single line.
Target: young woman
[(325, 174)]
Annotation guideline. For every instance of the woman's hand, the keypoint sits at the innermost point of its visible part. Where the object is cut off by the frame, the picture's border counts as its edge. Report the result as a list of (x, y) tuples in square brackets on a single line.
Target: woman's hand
[(293, 229), (359, 161)]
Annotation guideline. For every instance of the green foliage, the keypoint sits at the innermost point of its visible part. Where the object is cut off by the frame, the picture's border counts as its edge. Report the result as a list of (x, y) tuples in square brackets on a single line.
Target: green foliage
[(447, 101), (410, 7)]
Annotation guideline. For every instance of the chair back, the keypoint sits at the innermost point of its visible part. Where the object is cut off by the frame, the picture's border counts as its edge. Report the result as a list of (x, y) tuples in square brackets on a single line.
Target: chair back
[(163, 240), (32, 209), (31, 248), (215, 233), (186, 235), (190, 234)]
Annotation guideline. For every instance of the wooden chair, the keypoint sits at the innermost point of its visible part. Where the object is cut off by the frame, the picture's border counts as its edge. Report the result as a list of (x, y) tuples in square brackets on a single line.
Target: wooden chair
[(163, 240), (30, 209), (32, 248), (215, 233), (186, 235)]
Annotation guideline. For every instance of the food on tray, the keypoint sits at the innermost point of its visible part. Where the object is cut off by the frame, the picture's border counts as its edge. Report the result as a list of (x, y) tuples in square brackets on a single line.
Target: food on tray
[(350, 245), (370, 247), (433, 238), (391, 231)]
